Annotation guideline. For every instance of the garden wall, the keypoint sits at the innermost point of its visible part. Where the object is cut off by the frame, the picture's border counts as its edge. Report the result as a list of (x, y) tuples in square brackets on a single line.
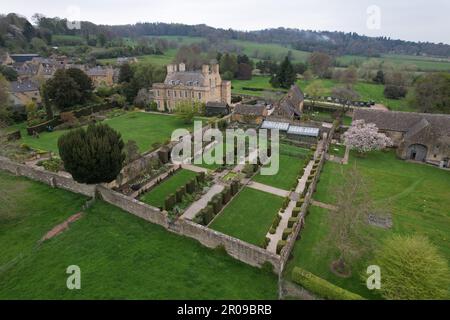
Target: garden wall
[(53, 179), (286, 251)]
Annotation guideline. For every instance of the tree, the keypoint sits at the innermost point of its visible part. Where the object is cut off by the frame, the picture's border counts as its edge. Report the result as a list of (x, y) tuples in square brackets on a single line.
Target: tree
[(349, 76), (5, 112), (300, 67), (285, 76), (379, 78), (101, 39), (412, 269), (320, 63), (84, 82), (126, 73), (244, 72), (346, 96), (431, 93), (365, 137), (348, 222), (131, 151), (186, 110), (9, 73), (228, 64), (92, 155), (315, 90), (394, 92)]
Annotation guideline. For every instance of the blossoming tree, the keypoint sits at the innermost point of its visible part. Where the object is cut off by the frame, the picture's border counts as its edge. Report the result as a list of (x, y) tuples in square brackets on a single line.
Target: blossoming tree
[(364, 137)]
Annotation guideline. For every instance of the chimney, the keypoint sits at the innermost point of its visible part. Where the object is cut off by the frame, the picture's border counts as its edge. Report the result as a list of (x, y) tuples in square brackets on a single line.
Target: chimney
[(205, 69), (170, 68), (182, 67), (215, 68)]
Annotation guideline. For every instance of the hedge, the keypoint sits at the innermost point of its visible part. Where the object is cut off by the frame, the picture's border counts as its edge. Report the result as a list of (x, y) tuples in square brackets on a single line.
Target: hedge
[(226, 195), (280, 245), (295, 212), (286, 233), (170, 201), (266, 242), (292, 222), (322, 287)]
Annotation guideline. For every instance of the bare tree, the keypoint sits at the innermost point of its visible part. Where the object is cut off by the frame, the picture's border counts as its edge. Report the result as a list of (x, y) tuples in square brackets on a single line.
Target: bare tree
[(347, 224)]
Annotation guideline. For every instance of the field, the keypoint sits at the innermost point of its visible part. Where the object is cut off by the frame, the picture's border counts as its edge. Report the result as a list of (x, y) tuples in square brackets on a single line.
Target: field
[(366, 91), (147, 129), (417, 196), (249, 216), (120, 255), (291, 162), (157, 195)]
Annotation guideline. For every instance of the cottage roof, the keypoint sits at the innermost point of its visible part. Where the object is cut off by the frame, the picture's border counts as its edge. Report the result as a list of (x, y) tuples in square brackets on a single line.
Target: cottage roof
[(404, 121), (249, 109), (24, 57), (23, 86), (216, 104)]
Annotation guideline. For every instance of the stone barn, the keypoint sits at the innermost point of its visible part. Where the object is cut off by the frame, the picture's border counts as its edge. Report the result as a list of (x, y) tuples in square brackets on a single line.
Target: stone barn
[(418, 136)]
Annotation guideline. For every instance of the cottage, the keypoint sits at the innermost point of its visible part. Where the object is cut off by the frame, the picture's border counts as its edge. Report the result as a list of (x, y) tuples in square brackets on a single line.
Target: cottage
[(101, 76), (290, 107), (217, 109), (417, 136), (250, 114), (205, 85), (22, 93)]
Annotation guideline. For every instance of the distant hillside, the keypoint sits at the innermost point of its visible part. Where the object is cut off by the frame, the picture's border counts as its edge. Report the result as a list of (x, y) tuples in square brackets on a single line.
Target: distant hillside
[(16, 32)]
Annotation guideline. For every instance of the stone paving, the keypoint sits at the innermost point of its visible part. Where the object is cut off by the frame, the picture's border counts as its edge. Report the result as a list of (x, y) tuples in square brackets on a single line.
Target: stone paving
[(323, 205), (268, 189), (200, 204)]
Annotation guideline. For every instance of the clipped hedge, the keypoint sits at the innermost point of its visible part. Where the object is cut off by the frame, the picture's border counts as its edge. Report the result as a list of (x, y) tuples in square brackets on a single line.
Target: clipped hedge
[(322, 287), (266, 242), (292, 222), (170, 201), (286, 233), (296, 212), (280, 245)]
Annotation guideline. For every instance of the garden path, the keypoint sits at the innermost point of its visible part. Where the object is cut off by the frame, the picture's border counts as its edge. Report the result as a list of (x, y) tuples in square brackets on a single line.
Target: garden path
[(268, 189), (200, 204)]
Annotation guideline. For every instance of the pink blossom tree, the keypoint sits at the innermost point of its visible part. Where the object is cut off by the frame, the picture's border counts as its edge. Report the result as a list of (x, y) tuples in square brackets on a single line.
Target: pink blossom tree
[(364, 137)]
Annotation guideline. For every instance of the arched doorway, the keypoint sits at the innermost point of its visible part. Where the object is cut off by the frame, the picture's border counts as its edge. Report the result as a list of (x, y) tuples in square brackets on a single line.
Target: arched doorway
[(417, 152)]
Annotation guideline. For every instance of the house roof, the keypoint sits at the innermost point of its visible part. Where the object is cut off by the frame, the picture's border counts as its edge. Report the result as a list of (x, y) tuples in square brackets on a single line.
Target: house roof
[(404, 121), (303, 131), (216, 104), (282, 126), (97, 71), (187, 78), (23, 57), (249, 109), (289, 104), (23, 86)]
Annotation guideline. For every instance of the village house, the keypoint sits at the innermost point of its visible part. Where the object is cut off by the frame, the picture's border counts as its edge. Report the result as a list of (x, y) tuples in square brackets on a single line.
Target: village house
[(417, 136), (101, 76), (249, 114), (205, 85), (22, 93), (290, 107)]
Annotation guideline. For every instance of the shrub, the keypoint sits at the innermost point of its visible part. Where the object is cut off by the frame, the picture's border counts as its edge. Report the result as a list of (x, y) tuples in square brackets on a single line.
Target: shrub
[(94, 155), (201, 177), (170, 201), (292, 222), (321, 287), (217, 205), (191, 186), (280, 246), (296, 212), (266, 242), (300, 202), (234, 187), (286, 233), (276, 221), (226, 195), (272, 230)]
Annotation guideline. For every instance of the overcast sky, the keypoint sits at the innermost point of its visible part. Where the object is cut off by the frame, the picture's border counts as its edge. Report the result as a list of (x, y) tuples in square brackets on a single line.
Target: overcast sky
[(417, 20)]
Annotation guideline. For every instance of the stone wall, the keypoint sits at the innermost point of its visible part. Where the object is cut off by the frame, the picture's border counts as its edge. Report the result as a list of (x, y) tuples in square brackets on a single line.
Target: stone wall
[(56, 180)]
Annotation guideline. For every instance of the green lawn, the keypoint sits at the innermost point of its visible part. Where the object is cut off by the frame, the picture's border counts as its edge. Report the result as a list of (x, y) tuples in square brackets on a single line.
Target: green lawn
[(158, 194), (337, 150), (418, 197), (249, 216), (144, 128), (121, 256)]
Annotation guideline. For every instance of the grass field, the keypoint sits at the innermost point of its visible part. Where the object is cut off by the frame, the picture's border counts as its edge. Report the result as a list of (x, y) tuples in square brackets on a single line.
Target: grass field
[(417, 196), (291, 162), (120, 255), (157, 195), (144, 128), (337, 150), (249, 216), (366, 91)]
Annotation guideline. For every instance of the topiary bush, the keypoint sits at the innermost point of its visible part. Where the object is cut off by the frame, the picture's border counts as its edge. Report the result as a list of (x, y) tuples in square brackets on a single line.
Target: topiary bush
[(280, 246), (296, 212), (170, 201), (322, 287), (292, 222), (286, 233)]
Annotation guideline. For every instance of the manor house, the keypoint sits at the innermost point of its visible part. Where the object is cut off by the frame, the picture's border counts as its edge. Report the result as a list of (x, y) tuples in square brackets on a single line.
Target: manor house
[(205, 85)]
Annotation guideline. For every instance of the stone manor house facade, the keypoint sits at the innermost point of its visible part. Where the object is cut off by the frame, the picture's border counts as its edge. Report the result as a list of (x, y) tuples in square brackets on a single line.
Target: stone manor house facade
[(205, 85)]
